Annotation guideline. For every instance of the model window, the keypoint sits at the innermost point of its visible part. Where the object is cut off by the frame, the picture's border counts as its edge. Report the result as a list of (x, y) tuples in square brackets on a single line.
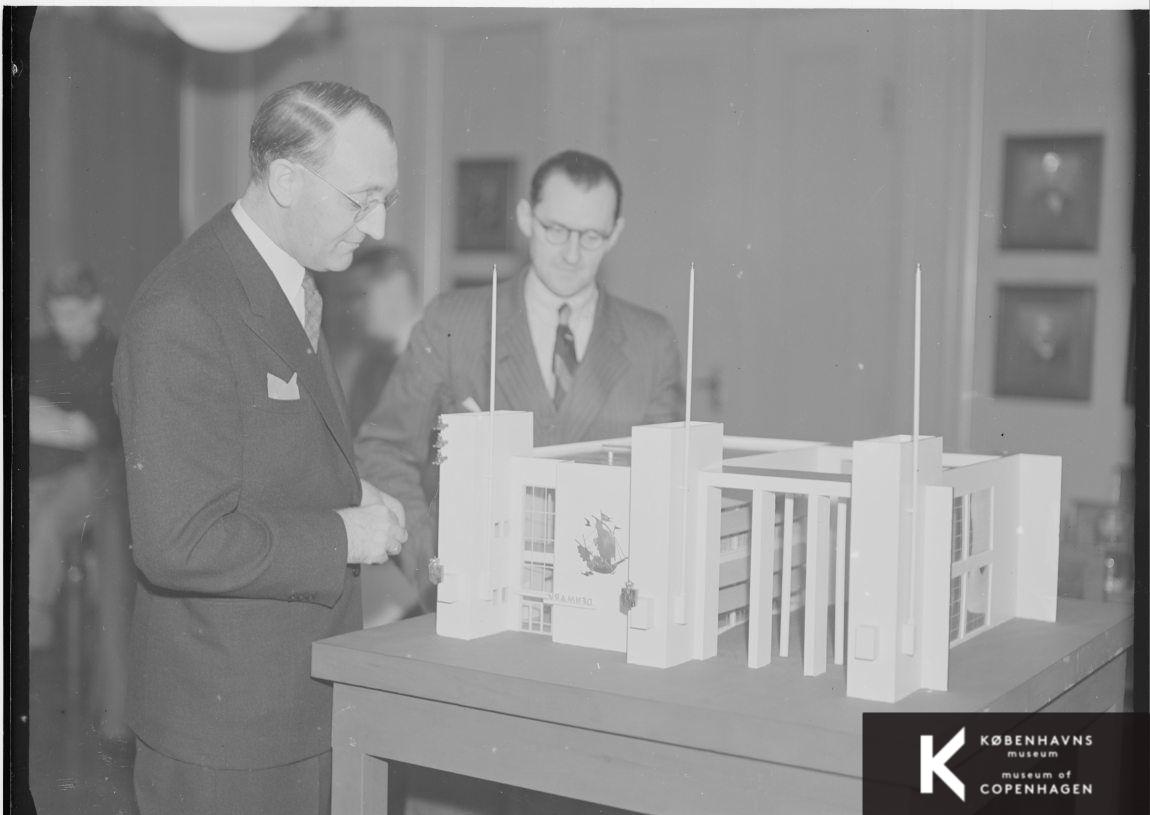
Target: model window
[(970, 553), (977, 595), (535, 616), (539, 577), (735, 542), (539, 519), (955, 608)]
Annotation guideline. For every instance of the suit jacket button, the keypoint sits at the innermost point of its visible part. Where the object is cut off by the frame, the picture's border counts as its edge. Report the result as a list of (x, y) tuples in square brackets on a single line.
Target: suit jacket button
[(355, 570)]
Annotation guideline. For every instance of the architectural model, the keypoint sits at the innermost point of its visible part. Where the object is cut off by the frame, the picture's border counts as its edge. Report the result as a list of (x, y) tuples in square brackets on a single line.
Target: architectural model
[(891, 550), (606, 545)]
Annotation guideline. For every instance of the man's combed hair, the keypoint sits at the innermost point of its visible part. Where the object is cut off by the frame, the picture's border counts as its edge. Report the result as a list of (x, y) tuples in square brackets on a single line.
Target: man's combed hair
[(582, 168), (297, 123)]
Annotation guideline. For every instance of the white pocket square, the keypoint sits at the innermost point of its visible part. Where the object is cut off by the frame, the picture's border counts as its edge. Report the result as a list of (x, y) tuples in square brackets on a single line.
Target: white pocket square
[(283, 391)]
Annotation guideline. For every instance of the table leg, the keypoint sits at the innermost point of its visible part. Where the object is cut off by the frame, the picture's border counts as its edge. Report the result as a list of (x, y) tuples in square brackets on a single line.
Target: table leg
[(358, 783)]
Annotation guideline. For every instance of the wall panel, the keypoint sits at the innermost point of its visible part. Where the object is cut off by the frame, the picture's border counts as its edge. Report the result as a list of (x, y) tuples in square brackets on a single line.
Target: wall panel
[(1071, 74), (104, 152)]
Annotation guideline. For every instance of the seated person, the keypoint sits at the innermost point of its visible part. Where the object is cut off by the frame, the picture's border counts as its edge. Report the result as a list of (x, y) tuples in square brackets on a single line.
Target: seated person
[(73, 433)]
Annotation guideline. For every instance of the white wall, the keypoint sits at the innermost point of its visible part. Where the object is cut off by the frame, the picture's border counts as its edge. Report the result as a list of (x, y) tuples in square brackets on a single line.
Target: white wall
[(805, 161), (765, 149)]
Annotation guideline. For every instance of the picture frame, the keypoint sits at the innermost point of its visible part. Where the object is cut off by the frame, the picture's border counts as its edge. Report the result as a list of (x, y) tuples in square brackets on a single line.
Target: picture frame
[(1045, 342), (1051, 192), (485, 205)]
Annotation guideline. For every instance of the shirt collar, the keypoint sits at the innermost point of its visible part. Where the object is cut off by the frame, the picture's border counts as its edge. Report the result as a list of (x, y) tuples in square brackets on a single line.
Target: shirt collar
[(540, 297), (288, 271)]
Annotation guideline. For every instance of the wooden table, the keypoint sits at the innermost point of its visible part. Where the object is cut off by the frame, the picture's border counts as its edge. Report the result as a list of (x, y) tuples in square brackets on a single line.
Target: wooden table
[(712, 736)]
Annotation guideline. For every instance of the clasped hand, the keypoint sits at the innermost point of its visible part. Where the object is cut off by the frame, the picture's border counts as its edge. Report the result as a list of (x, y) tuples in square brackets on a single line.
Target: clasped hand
[(376, 529)]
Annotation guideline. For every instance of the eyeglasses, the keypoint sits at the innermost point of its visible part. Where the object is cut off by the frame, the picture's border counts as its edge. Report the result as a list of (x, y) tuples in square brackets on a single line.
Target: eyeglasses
[(362, 210), (557, 235)]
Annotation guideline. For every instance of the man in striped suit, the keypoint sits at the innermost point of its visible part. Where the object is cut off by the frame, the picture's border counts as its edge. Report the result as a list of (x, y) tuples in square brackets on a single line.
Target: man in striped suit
[(587, 364)]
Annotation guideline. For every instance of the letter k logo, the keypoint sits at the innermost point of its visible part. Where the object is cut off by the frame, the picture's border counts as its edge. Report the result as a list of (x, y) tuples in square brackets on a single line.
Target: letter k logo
[(932, 764)]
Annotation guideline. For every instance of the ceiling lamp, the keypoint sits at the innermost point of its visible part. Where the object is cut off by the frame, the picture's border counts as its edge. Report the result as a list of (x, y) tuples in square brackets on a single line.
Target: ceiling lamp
[(228, 29)]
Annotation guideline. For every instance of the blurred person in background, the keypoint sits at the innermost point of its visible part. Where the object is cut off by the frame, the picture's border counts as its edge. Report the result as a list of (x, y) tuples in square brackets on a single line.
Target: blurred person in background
[(76, 479), (368, 316)]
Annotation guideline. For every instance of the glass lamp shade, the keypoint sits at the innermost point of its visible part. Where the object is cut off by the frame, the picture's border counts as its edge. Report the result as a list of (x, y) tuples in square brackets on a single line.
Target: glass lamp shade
[(228, 29)]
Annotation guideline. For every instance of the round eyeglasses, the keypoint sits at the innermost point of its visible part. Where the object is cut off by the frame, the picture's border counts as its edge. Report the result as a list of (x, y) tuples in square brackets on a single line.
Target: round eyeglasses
[(557, 235), (365, 207)]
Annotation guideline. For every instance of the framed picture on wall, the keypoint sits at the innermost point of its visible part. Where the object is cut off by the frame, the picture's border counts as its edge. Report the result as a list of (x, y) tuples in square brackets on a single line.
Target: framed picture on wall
[(1045, 343), (485, 205), (1051, 187)]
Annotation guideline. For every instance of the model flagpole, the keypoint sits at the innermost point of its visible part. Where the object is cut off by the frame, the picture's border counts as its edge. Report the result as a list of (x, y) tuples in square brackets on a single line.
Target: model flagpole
[(680, 606), (917, 362), (491, 384), (908, 633), (690, 341), (491, 415)]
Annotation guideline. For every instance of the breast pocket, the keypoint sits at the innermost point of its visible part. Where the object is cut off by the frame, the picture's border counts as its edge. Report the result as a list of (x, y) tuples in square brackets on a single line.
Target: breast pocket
[(289, 406), (276, 391)]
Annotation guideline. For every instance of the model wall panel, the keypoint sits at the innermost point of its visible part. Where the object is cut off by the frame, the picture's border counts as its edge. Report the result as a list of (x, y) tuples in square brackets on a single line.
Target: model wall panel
[(474, 495), (909, 658), (592, 555)]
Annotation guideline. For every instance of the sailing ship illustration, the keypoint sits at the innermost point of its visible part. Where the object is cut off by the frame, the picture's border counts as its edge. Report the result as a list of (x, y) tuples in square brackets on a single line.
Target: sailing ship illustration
[(600, 556)]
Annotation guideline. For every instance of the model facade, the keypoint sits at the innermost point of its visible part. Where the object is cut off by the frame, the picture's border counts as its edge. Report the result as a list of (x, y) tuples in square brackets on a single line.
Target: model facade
[(891, 551)]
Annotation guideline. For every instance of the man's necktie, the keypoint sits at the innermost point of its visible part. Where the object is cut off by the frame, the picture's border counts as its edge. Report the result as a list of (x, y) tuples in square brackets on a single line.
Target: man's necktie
[(312, 310), (564, 362)]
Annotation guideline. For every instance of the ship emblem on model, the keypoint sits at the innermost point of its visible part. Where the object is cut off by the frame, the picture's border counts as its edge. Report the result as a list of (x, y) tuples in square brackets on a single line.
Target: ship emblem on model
[(602, 555)]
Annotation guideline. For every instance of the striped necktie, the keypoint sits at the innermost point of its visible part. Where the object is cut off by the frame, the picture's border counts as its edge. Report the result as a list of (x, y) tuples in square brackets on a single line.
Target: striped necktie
[(312, 310), (564, 361)]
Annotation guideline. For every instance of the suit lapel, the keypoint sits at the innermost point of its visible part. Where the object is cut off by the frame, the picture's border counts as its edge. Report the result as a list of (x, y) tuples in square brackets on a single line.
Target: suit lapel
[(272, 319), (518, 382), (603, 365), (342, 432)]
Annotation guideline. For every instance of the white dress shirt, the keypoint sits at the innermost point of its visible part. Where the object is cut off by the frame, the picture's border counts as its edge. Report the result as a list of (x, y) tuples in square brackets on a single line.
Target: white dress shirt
[(287, 270), (543, 319)]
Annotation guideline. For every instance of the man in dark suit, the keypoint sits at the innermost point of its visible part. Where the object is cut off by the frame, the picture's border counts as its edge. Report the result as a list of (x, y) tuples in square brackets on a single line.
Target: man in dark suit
[(248, 516), (589, 365)]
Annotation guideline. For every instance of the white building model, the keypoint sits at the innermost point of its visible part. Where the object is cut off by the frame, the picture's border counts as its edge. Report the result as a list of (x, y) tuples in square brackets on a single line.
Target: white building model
[(644, 545)]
